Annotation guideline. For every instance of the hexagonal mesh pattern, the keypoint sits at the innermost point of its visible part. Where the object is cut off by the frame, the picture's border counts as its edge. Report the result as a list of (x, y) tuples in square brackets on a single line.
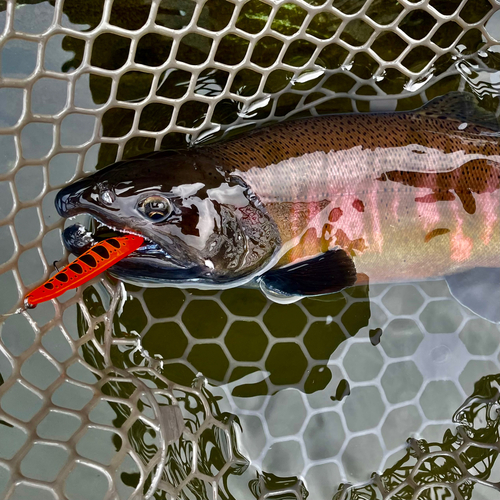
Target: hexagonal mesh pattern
[(100, 391)]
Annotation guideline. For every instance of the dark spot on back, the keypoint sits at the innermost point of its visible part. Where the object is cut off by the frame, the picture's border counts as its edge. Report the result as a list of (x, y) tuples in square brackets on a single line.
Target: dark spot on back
[(49, 286), (62, 277)]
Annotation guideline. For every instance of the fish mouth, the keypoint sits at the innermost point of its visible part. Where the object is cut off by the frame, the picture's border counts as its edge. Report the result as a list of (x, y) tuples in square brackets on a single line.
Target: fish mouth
[(78, 238), (77, 199), (151, 263)]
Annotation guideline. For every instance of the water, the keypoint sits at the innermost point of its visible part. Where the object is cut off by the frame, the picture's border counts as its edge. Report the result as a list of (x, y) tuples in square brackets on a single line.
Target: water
[(276, 400)]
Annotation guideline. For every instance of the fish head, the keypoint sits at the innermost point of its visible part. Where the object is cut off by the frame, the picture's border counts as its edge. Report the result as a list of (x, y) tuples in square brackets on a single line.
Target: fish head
[(201, 224)]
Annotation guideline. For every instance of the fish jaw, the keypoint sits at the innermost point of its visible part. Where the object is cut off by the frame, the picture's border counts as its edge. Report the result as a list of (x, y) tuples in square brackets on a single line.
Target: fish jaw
[(77, 240), (77, 199)]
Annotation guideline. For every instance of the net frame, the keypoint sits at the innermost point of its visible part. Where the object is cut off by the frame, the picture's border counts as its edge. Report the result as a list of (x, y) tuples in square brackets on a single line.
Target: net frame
[(468, 67)]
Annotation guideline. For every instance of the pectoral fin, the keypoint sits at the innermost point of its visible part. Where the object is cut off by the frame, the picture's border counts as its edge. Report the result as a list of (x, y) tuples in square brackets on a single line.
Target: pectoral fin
[(479, 290), (326, 273)]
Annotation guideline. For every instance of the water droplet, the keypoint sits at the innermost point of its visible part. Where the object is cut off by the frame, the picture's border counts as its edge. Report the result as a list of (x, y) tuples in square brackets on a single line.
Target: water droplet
[(308, 75), (206, 134), (254, 106), (415, 85)]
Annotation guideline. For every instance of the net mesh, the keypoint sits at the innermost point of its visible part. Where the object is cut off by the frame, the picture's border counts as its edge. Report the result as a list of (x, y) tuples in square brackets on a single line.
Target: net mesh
[(93, 403)]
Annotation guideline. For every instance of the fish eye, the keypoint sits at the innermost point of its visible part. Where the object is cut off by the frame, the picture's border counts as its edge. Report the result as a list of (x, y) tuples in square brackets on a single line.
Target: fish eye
[(107, 196), (155, 208)]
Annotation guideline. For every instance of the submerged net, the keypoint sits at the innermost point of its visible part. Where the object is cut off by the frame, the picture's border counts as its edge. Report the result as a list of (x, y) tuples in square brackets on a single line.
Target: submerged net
[(101, 395), (455, 467)]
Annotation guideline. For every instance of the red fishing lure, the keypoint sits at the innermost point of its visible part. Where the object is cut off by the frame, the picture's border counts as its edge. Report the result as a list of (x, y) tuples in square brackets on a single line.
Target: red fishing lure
[(93, 262)]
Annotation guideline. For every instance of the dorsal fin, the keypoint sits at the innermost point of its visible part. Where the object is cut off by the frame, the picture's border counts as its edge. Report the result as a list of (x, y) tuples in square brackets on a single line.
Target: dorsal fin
[(462, 106)]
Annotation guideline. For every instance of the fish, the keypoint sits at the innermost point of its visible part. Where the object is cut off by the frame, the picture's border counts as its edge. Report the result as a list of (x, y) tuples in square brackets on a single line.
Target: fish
[(312, 206), (91, 263)]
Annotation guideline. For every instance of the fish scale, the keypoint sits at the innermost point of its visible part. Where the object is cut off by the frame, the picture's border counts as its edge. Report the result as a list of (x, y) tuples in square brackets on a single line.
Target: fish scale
[(343, 132)]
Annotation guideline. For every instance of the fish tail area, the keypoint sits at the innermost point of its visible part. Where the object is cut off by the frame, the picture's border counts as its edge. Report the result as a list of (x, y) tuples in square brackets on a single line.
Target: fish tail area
[(466, 107)]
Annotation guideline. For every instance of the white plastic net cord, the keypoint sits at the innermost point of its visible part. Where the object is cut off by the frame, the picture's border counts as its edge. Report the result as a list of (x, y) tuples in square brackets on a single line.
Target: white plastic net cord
[(96, 398)]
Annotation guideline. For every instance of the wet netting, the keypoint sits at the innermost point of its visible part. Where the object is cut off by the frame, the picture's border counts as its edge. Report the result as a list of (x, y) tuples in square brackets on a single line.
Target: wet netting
[(115, 392)]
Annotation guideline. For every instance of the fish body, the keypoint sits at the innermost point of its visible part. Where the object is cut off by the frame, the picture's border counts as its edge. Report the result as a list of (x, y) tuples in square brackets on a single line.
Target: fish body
[(416, 200), (388, 197)]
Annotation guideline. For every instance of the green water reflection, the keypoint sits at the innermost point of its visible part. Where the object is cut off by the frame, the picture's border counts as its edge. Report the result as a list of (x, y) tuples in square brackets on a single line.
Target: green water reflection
[(276, 341)]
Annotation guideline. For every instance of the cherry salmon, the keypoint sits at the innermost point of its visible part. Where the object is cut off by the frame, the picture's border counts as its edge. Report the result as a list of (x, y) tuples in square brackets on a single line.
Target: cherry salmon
[(312, 206), (90, 264)]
